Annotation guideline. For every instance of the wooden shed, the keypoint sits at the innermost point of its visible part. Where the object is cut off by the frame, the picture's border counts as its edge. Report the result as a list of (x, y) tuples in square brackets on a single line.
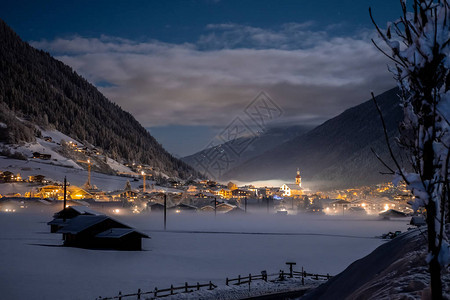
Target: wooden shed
[(100, 232)]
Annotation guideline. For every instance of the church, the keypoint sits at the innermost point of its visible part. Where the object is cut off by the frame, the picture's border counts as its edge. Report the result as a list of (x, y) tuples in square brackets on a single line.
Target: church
[(293, 189)]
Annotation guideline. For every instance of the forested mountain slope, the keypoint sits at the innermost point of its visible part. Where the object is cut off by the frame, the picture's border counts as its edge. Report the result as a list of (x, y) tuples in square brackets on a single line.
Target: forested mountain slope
[(42, 90)]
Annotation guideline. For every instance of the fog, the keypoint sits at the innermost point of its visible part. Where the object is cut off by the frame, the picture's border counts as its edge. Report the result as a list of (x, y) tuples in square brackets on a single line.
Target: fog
[(195, 247)]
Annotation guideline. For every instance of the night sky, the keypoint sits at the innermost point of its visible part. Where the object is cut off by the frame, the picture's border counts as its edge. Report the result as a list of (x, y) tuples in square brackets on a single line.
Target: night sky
[(185, 69)]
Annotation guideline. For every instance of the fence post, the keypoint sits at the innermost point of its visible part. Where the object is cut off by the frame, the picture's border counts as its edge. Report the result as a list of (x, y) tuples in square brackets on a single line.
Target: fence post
[(198, 286), (239, 279), (210, 285), (156, 292), (120, 295), (264, 275), (185, 287), (139, 294), (226, 281), (290, 264), (250, 277), (317, 276), (328, 276), (171, 289), (303, 276)]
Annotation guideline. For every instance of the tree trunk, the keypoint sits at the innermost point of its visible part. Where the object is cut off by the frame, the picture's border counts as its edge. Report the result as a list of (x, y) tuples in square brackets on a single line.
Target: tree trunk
[(434, 266)]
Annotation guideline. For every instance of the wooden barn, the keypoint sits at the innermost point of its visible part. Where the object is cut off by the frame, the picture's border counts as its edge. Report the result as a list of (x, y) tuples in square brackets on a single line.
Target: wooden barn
[(100, 232)]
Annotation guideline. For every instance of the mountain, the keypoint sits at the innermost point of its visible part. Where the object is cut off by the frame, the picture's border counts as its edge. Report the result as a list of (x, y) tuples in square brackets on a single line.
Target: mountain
[(36, 89), (267, 140), (334, 154)]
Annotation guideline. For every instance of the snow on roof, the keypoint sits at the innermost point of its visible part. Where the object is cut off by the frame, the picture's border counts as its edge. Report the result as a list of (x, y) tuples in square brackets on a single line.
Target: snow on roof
[(83, 222), (340, 201), (57, 222), (226, 204), (183, 205), (154, 204), (115, 233), (293, 186)]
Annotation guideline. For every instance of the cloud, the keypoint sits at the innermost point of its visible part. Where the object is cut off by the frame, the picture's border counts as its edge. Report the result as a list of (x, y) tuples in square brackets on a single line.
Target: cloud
[(310, 74)]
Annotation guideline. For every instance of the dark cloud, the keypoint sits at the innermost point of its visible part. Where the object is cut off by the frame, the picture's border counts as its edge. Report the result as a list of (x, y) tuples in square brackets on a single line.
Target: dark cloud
[(311, 75)]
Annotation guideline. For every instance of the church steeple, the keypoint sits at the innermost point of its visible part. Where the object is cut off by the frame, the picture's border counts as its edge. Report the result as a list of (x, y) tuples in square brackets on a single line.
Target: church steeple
[(298, 178)]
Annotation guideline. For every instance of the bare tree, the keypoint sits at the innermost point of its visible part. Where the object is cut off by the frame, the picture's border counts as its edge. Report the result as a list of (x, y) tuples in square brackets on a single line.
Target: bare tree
[(418, 44)]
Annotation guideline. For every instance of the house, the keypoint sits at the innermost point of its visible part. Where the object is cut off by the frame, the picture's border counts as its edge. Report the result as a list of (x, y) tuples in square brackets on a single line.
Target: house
[(291, 190), (224, 207), (392, 213), (225, 193), (207, 208), (77, 193), (339, 206), (50, 191), (241, 193), (36, 178), (42, 155), (357, 210), (100, 231), (155, 207)]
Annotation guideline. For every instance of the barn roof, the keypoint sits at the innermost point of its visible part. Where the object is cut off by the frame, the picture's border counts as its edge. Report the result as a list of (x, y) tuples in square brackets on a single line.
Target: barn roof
[(58, 222), (116, 233), (83, 222)]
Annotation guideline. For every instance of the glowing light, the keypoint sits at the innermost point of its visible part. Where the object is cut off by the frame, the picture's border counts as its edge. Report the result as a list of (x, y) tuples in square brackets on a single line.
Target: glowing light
[(116, 210), (363, 205), (178, 211), (386, 207)]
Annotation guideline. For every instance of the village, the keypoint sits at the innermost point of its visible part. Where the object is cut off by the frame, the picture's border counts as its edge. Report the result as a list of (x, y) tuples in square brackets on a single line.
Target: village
[(155, 195)]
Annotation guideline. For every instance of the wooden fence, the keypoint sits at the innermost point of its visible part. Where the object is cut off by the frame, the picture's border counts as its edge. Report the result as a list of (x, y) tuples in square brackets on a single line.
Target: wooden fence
[(276, 277), (279, 276), (186, 288)]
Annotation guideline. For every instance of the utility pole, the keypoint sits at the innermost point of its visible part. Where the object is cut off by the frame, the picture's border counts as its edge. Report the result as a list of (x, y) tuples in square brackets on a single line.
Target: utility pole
[(215, 207), (267, 198), (89, 173), (245, 204), (143, 174), (65, 200), (165, 210)]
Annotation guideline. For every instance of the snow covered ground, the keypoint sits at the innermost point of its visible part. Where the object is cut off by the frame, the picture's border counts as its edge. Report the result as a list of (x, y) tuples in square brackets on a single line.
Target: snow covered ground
[(195, 248)]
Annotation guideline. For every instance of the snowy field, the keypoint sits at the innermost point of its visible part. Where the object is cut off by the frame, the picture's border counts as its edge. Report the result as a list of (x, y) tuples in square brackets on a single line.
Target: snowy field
[(195, 248)]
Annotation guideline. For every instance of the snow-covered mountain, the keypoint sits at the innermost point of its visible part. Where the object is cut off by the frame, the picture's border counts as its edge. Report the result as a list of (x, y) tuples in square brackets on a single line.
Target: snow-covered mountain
[(40, 95), (334, 154)]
